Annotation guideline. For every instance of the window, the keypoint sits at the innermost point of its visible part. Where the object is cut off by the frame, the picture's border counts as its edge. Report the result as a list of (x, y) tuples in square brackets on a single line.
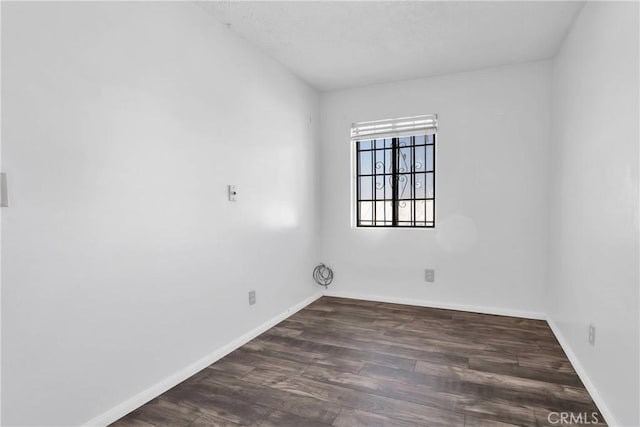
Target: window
[(395, 172)]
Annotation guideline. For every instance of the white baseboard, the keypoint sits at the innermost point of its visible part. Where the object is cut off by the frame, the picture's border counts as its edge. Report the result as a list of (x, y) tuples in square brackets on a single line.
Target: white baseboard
[(582, 373), (157, 389), (434, 304)]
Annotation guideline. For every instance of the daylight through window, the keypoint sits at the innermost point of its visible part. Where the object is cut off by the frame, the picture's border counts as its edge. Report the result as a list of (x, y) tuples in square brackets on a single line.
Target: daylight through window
[(395, 172)]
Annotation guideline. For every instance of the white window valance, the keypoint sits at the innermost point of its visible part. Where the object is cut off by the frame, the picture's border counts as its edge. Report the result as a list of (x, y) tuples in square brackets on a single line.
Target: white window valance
[(395, 128)]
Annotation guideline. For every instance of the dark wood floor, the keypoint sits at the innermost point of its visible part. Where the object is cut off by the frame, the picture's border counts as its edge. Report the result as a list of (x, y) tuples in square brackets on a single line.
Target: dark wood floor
[(349, 363)]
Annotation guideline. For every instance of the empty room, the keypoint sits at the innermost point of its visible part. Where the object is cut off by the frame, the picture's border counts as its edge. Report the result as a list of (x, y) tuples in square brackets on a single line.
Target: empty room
[(320, 213)]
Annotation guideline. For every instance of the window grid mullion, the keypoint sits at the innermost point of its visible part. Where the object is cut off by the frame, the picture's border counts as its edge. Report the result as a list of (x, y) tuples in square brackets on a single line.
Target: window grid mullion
[(413, 180), (393, 174), (358, 220), (433, 166), (394, 181)]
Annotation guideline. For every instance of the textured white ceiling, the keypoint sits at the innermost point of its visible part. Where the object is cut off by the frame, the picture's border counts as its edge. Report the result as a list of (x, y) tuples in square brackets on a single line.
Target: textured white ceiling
[(334, 45)]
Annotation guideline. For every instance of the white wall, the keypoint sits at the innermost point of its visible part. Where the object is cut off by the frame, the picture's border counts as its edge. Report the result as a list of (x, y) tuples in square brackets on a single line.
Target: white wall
[(594, 210), (0, 219), (122, 260), (488, 247)]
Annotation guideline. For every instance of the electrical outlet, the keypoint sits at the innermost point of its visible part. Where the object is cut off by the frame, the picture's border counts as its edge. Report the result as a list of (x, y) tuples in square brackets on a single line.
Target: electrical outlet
[(252, 297), (429, 275), (592, 335)]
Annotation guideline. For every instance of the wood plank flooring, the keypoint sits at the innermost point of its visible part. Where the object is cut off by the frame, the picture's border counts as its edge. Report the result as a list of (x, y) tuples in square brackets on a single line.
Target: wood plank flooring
[(348, 363)]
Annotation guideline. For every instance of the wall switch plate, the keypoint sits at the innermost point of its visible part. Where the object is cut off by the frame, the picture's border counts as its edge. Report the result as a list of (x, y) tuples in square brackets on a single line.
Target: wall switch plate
[(592, 335), (252, 297), (233, 193), (429, 275)]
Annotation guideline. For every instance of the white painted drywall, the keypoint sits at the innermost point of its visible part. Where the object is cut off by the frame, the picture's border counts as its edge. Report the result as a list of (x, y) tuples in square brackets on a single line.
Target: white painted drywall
[(0, 219), (342, 44), (594, 209), (123, 261), (488, 247)]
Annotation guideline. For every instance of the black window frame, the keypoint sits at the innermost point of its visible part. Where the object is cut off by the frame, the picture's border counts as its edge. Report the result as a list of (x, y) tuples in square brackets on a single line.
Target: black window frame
[(395, 175)]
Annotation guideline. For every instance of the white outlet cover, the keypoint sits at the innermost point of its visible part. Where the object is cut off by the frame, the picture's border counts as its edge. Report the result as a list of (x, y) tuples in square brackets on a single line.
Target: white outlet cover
[(429, 275)]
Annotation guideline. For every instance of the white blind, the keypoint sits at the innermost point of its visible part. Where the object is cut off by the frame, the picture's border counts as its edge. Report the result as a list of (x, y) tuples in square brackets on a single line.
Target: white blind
[(395, 128)]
